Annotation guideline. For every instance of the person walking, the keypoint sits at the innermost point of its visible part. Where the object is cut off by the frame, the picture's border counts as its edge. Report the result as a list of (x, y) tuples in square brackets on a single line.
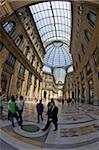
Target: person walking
[(40, 109), (20, 106), (12, 111), (52, 116)]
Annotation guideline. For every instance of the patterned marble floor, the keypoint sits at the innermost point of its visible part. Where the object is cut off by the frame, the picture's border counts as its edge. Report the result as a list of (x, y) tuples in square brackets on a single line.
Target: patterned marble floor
[(78, 129)]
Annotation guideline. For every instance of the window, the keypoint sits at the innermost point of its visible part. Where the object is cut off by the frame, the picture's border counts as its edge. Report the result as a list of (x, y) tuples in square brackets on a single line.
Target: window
[(11, 60), (27, 50), (79, 58), (30, 76), (82, 75), (82, 47), (22, 70), (9, 26), (80, 10), (18, 40), (1, 45), (32, 59), (88, 68), (96, 56), (91, 17), (88, 35)]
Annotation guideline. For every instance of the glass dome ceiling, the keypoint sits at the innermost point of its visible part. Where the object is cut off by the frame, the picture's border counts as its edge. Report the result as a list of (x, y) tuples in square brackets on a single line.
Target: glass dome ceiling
[(57, 55), (53, 21)]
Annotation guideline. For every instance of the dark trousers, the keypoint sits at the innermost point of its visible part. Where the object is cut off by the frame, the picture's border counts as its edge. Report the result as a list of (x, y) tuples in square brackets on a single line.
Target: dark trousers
[(12, 116), (40, 116), (20, 116), (55, 124), (48, 124)]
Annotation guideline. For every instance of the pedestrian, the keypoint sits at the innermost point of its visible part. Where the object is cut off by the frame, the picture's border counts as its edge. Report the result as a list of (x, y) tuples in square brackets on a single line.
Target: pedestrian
[(62, 101), (52, 116), (20, 106), (40, 109), (12, 111)]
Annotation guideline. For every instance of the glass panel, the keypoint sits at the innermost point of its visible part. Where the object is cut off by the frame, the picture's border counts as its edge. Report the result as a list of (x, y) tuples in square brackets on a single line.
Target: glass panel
[(9, 26), (11, 60), (53, 21), (55, 12), (22, 70), (18, 40), (92, 17)]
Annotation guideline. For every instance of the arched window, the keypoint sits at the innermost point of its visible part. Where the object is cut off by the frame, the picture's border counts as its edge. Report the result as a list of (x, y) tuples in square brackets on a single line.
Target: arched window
[(91, 17), (22, 70), (18, 40), (1, 45), (11, 60), (88, 35), (9, 26)]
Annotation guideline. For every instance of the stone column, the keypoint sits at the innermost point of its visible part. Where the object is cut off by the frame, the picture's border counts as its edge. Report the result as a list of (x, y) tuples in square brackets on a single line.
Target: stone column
[(86, 87), (37, 88), (40, 90), (32, 87), (3, 56), (95, 83), (14, 79), (80, 86), (24, 85)]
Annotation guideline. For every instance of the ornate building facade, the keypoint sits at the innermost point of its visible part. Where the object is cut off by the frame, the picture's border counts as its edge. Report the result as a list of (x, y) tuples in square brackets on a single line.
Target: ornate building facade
[(85, 51), (21, 54)]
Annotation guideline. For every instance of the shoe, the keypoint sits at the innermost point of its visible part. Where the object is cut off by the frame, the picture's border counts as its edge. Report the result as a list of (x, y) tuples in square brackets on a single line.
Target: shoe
[(55, 130), (43, 129)]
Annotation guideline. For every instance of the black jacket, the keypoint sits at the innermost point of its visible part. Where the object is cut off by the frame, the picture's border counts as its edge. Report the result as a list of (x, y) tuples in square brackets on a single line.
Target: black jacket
[(54, 113)]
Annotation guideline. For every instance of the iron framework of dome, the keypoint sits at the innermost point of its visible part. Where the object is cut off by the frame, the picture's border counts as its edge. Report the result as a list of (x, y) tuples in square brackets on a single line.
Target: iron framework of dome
[(53, 21)]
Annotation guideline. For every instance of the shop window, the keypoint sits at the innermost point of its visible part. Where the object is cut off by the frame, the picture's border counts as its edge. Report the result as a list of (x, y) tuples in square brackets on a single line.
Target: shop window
[(96, 56), (91, 17), (22, 70), (9, 26), (88, 35), (11, 60), (1, 45), (18, 40), (91, 91)]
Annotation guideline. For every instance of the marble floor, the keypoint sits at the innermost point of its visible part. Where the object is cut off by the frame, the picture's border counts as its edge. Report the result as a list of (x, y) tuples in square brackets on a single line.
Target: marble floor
[(78, 129)]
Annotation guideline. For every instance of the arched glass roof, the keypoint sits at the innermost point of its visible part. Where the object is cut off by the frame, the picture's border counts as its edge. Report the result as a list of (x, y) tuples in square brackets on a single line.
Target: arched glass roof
[(53, 21)]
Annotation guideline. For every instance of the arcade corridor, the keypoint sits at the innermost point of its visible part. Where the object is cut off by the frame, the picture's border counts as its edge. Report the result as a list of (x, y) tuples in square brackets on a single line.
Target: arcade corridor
[(78, 129), (49, 50)]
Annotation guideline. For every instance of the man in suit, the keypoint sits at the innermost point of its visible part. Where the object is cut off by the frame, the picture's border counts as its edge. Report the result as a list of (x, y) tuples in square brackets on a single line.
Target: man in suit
[(52, 116)]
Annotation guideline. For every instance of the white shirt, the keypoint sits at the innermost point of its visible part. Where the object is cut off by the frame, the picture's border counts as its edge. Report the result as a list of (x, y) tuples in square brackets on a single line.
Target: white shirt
[(20, 104)]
